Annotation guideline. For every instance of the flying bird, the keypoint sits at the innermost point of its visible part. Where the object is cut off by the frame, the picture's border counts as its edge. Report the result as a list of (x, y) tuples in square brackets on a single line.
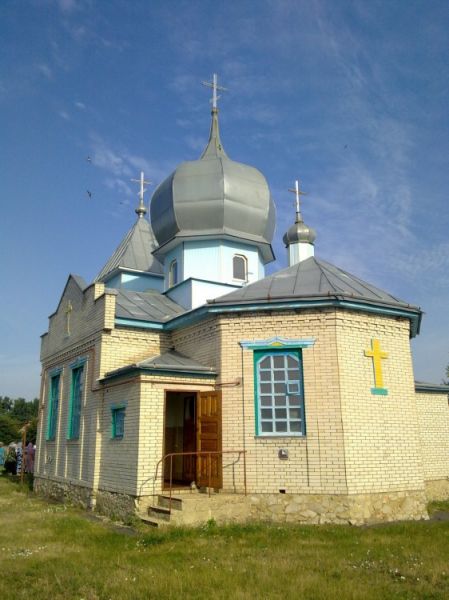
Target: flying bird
[(89, 159), (89, 193)]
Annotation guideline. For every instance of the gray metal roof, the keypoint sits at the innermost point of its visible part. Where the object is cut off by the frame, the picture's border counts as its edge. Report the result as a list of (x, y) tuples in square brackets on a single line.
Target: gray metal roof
[(422, 386), (134, 252), (311, 278), (145, 306), (170, 361), (215, 196), (174, 361)]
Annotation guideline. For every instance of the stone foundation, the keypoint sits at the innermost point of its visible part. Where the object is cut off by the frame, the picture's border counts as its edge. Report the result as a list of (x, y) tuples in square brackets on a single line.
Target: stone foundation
[(71, 493), (357, 509), (197, 509), (116, 506), (437, 489)]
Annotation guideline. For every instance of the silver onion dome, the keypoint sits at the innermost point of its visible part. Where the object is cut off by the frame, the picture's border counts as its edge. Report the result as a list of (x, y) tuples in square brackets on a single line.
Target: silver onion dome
[(299, 232), (214, 197)]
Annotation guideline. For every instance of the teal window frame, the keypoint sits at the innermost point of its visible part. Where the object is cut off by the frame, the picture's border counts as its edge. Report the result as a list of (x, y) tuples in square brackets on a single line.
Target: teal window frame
[(76, 398), (293, 406), (118, 410), (53, 403)]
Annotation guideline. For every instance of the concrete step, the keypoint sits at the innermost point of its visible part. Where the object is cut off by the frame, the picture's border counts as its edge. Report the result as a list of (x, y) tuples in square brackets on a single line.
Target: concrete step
[(153, 522), (159, 512), (164, 501)]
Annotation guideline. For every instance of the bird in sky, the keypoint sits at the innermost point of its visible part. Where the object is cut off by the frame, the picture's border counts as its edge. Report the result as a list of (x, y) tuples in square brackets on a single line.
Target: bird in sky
[(89, 159), (89, 193)]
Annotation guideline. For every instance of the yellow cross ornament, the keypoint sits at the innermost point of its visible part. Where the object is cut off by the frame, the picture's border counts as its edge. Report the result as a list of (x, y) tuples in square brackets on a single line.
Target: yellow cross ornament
[(377, 355)]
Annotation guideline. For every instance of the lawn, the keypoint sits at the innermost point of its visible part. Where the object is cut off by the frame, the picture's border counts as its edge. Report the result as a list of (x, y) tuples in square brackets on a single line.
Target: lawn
[(51, 552)]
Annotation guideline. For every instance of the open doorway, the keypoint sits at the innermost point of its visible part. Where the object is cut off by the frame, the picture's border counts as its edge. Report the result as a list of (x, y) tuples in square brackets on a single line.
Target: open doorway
[(180, 436), (193, 425)]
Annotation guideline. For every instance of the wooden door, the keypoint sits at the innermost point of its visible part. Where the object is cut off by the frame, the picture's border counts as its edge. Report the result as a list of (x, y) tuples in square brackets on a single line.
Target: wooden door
[(209, 468)]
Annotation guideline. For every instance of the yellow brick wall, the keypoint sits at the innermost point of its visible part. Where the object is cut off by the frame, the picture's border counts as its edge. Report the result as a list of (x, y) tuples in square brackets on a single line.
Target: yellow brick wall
[(92, 335), (381, 435), (117, 470), (356, 442), (129, 465), (91, 313), (433, 413), (62, 458), (316, 461)]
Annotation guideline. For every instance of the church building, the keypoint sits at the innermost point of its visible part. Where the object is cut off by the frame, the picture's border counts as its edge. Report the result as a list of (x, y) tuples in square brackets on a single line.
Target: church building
[(184, 384)]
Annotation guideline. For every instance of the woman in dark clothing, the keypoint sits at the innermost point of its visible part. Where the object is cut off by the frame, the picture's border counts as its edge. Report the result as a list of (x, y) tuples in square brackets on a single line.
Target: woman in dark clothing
[(11, 460)]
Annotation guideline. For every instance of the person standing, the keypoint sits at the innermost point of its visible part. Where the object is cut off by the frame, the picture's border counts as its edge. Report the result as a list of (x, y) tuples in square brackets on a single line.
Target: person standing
[(29, 458), (2, 455), (11, 459)]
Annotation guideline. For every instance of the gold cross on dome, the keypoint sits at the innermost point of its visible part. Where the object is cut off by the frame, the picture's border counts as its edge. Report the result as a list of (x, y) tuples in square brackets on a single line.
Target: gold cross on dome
[(377, 355), (67, 312)]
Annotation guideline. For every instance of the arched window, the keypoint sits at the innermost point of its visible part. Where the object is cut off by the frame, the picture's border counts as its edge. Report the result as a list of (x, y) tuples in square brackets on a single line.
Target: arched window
[(239, 267), (173, 273)]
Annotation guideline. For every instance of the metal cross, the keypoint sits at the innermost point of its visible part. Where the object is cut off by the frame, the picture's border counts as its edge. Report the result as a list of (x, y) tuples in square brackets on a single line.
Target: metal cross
[(142, 184), (298, 194), (215, 87), (67, 311)]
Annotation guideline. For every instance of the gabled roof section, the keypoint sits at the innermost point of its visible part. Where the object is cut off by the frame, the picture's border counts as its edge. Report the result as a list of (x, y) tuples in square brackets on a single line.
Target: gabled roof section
[(79, 281), (145, 306), (134, 252), (169, 362), (310, 279)]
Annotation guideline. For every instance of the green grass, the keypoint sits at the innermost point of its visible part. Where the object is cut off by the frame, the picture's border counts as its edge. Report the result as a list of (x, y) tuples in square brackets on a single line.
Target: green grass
[(51, 552)]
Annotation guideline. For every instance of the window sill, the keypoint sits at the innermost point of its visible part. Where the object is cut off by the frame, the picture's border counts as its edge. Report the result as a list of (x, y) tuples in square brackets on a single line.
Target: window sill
[(279, 436)]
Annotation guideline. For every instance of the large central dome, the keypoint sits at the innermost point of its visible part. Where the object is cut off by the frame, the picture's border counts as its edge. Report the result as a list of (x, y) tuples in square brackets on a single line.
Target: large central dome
[(214, 197)]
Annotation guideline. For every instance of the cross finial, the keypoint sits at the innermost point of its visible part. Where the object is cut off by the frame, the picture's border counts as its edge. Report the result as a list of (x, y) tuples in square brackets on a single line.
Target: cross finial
[(215, 87), (298, 193), (141, 210)]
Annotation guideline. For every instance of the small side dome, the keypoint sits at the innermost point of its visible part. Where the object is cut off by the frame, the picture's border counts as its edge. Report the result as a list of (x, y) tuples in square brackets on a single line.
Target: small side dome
[(299, 232), (214, 197)]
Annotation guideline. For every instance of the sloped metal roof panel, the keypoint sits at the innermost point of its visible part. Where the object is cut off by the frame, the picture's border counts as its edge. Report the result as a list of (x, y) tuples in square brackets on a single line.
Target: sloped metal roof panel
[(134, 252), (146, 306), (311, 278)]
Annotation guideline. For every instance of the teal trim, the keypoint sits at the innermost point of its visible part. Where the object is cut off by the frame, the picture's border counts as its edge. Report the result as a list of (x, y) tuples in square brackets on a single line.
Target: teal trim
[(379, 391), (257, 356), (79, 362), (53, 404), (133, 369), (138, 324), (119, 405), (277, 343), (55, 372), (118, 412), (434, 388), (256, 395), (201, 312), (76, 397)]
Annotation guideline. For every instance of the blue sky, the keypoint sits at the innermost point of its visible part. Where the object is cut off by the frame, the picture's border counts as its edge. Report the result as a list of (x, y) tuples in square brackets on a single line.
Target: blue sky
[(351, 97)]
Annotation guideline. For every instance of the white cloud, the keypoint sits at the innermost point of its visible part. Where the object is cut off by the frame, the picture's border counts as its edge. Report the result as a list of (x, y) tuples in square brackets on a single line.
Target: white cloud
[(45, 70), (64, 115)]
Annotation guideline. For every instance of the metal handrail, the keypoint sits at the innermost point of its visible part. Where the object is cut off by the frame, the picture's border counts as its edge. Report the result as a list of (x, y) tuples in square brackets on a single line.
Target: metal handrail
[(209, 464)]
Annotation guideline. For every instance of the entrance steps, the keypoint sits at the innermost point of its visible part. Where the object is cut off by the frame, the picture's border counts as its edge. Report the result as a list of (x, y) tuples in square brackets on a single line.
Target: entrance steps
[(193, 509)]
